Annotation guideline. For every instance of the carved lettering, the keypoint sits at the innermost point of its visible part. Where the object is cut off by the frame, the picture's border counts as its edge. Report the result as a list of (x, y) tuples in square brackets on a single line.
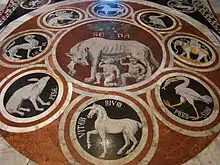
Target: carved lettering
[(181, 114), (113, 103), (121, 35), (99, 34), (53, 93), (206, 112), (80, 128)]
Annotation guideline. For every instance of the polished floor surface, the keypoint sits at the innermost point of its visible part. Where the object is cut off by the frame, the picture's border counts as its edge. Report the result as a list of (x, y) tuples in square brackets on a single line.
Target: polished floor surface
[(109, 82)]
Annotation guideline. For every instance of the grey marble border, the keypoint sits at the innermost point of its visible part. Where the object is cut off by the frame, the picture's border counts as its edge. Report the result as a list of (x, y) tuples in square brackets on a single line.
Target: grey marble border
[(9, 156)]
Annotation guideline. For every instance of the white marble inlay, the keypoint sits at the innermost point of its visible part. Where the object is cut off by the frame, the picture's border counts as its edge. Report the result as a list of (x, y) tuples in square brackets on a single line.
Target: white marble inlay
[(209, 156), (9, 156), (3, 3)]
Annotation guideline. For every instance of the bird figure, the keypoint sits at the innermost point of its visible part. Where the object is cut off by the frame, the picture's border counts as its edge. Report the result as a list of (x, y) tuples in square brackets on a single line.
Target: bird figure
[(186, 94)]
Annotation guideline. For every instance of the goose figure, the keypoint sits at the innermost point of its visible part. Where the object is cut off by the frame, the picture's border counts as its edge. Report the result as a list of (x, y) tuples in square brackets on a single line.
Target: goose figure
[(186, 95)]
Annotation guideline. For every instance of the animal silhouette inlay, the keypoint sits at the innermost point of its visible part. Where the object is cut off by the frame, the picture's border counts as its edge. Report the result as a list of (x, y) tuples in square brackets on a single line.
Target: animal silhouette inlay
[(106, 10), (187, 95), (29, 92), (31, 44), (105, 125), (97, 49)]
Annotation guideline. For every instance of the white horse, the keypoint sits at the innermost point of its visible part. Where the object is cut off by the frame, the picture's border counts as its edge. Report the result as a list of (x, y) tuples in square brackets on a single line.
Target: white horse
[(105, 125)]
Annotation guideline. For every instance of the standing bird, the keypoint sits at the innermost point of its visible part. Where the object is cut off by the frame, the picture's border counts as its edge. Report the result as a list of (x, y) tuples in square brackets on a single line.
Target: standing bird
[(186, 94)]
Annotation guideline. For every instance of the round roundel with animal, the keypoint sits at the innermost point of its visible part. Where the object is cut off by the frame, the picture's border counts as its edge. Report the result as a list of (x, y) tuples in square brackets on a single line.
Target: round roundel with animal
[(186, 98), (192, 51), (109, 9), (25, 47), (121, 123), (109, 54), (157, 20), (30, 95), (34, 4), (185, 6), (61, 18)]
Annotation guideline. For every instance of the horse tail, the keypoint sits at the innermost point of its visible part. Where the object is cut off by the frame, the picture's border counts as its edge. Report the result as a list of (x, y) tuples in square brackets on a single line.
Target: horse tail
[(139, 124)]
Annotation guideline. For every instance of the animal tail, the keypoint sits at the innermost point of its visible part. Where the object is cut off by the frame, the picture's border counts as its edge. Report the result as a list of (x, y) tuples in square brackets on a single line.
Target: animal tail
[(207, 99), (10, 45), (175, 47), (139, 124), (124, 10)]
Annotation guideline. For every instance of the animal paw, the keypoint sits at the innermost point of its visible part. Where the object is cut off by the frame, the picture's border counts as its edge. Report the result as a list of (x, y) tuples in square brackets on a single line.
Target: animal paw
[(20, 113), (103, 155), (89, 80), (96, 82), (40, 109), (119, 152), (89, 145), (47, 103), (24, 109), (72, 73), (128, 152)]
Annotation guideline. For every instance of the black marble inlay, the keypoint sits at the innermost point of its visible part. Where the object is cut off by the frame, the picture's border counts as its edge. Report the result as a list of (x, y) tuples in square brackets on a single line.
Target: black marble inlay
[(156, 20), (26, 46), (22, 94), (118, 111), (183, 96)]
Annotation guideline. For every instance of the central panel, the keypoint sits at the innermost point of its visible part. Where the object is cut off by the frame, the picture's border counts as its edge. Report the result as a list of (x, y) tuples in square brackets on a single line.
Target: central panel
[(108, 54)]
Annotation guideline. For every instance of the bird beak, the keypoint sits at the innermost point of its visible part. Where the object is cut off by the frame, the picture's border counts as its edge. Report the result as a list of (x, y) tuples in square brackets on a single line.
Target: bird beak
[(173, 79)]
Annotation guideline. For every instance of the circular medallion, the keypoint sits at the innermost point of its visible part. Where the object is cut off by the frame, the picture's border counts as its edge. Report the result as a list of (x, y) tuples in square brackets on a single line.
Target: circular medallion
[(157, 20), (183, 6), (31, 95), (109, 54), (187, 102), (40, 89), (106, 129), (34, 4), (193, 52), (109, 10), (186, 98), (23, 48), (99, 110), (61, 18)]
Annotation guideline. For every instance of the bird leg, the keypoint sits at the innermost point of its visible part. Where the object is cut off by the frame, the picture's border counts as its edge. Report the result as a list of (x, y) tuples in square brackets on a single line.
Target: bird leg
[(172, 106), (197, 114)]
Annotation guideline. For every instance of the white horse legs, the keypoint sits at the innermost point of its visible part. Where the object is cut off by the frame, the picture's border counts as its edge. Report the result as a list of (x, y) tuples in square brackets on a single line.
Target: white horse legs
[(127, 142), (93, 132), (103, 137), (134, 140), (127, 138)]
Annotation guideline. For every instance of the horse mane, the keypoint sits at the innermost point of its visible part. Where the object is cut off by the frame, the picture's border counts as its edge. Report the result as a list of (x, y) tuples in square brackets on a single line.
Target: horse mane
[(102, 109)]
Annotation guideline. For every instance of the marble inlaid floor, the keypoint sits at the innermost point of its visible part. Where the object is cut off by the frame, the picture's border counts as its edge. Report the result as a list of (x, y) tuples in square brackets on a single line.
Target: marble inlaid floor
[(109, 82)]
